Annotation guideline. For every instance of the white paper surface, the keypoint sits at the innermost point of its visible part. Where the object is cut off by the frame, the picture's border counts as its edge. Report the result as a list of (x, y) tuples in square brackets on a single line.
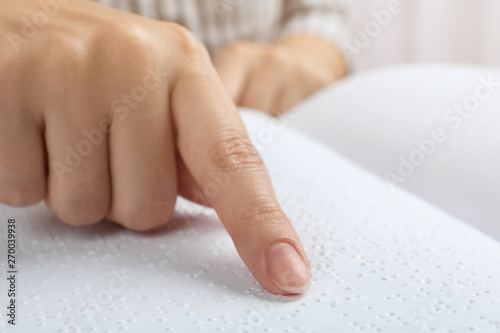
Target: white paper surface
[(381, 118), (382, 261)]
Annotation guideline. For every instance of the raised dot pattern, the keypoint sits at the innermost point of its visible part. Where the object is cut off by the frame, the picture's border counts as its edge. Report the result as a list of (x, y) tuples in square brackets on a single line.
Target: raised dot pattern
[(382, 261)]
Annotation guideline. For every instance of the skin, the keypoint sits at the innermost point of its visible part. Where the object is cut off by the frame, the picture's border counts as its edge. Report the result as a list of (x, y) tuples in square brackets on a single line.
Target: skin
[(107, 114), (275, 77)]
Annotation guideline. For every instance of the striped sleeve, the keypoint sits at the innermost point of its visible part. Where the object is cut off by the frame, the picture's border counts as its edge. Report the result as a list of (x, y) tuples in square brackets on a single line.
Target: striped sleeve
[(326, 18)]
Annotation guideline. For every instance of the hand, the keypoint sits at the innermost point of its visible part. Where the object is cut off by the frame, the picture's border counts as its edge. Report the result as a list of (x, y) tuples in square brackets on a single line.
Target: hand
[(275, 77), (105, 113)]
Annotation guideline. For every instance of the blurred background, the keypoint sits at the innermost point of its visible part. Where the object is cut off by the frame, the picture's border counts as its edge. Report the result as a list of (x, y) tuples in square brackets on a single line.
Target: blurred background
[(459, 31)]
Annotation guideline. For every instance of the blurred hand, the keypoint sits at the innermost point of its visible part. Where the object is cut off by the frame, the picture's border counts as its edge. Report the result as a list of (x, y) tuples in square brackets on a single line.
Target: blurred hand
[(105, 113), (275, 77)]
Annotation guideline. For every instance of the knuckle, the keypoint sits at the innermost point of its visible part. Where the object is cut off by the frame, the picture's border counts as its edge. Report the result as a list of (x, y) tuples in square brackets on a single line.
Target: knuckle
[(184, 38), (62, 53), (314, 74), (233, 151), (189, 47), (119, 43), (263, 210), (262, 213), (110, 30), (239, 48), (275, 56), (178, 30), (324, 79)]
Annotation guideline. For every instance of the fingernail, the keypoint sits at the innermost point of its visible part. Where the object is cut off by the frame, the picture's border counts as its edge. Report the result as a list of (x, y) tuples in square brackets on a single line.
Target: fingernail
[(287, 270)]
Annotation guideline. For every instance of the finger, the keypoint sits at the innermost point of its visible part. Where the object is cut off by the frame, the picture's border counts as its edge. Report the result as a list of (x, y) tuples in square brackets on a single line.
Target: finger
[(266, 81), (22, 163), (214, 145), (289, 96), (294, 91), (233, 65), (142, 155), (22, 160), (187, 186), (78, 180), (261, 89)]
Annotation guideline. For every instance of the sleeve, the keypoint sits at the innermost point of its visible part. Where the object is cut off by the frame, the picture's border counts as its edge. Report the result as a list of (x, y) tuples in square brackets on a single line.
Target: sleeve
[(147, 8), (326, 18)]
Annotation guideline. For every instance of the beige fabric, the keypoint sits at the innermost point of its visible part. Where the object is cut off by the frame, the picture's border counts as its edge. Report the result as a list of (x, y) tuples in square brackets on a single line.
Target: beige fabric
[(219, 22)]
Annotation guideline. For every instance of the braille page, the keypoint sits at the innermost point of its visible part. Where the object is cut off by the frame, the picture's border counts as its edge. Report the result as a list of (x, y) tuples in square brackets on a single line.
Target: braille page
[(382, 261), (432, 129)]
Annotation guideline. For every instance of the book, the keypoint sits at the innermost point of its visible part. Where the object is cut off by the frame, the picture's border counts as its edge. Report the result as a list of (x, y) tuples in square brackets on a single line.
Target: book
[(383, 259), (431, 129)]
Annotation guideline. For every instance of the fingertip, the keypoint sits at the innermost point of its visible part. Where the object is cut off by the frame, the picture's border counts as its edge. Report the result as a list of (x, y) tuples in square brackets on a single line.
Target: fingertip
[(287, 270)]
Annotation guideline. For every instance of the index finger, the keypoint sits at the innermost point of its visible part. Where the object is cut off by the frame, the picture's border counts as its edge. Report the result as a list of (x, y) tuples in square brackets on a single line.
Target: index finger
[(216, 148)]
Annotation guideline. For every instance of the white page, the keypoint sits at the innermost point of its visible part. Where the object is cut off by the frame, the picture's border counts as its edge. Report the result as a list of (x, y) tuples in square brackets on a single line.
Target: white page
[(381, 118), (382, 261)]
